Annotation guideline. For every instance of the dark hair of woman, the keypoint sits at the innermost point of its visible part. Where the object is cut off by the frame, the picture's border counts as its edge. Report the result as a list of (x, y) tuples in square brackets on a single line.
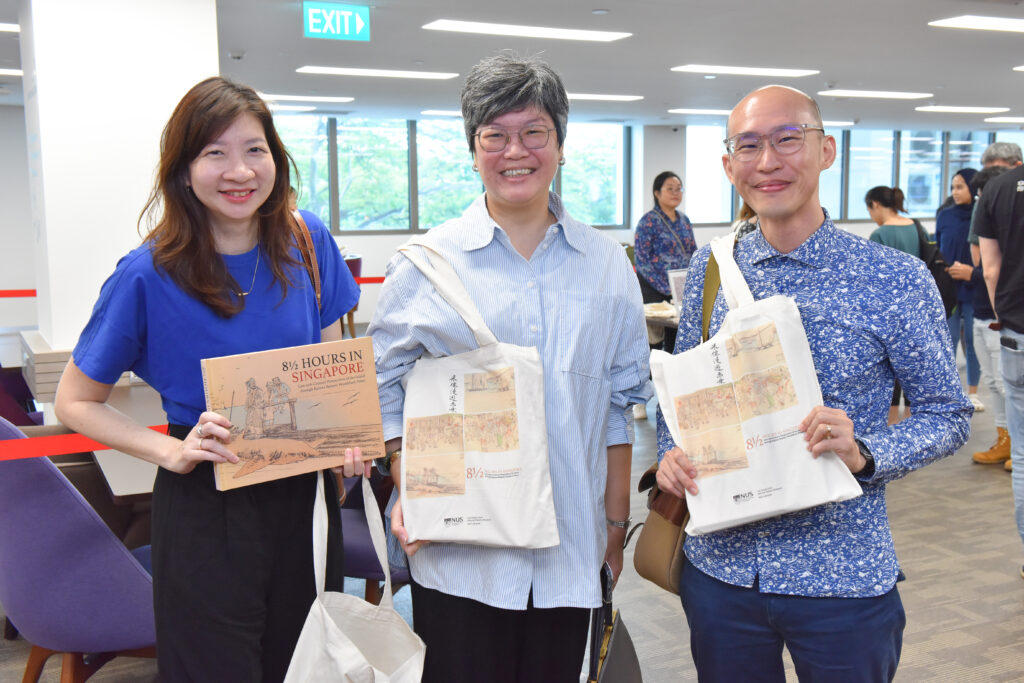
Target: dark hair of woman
[(659, 180), (180, 234), (889, 197)]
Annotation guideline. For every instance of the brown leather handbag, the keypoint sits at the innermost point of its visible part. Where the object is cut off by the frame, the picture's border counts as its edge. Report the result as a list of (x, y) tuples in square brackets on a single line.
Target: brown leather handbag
[(659, 547)]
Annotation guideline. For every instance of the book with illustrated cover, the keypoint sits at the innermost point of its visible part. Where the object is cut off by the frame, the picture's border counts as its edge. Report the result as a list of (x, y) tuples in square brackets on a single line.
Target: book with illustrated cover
[(294, 410)]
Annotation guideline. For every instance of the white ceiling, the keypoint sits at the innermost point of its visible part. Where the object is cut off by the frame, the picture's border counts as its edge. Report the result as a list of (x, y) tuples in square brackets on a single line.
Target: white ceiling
[(868, 44)]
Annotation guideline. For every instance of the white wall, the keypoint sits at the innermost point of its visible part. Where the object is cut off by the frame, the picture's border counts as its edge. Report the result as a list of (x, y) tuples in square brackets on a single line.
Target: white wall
[(16, 267)]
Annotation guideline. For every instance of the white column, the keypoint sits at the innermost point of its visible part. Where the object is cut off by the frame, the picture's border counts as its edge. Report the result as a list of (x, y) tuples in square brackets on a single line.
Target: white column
[(100, 80)]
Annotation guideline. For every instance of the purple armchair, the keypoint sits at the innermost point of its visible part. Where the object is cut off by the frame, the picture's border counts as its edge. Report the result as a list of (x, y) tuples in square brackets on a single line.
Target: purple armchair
[(67, 583)]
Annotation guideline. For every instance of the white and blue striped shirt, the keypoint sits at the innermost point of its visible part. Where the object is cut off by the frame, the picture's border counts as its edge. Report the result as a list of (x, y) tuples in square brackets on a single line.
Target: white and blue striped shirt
[(578, 301)]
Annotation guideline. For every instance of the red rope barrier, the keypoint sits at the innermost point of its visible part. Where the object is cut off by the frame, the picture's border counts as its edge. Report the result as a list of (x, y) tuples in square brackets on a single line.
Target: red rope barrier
[(62, 444), (16, 293), (369, 280)]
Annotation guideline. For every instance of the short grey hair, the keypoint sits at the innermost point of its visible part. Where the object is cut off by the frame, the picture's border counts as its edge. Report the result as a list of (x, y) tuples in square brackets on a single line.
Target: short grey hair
[(1002, 151), (505, 83)]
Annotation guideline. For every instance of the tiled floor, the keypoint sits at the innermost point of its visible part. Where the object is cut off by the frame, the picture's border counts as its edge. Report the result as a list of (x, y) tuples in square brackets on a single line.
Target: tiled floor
[(955, 535)]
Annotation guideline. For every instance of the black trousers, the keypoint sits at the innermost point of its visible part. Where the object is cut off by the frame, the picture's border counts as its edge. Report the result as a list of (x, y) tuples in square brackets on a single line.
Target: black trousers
[(233, 573), (470, 642)]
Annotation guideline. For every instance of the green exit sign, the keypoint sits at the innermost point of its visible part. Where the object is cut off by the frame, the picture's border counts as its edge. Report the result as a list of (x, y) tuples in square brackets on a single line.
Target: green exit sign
[(335, 22)]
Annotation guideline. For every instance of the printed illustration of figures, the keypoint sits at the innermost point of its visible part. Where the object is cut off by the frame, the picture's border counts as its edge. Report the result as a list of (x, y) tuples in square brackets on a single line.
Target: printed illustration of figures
[(434, 434), (490, 391), (277, 398), (717, 451), (430, 476), (255, 410), (754, 350), (769, 391), (492, 432), (707, 409)]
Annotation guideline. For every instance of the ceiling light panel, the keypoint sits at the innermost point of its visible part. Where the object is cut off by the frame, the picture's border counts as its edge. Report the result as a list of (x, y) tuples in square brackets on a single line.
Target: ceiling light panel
[(9, 28), (302, 98), (523, 31), (373, 73), (291, 107), (11, 72), (605, 98), (944, 109), (838, 124), (707, 112), (744, 71), (981, 23), (877, 94), (1005, 119), (441, 112)]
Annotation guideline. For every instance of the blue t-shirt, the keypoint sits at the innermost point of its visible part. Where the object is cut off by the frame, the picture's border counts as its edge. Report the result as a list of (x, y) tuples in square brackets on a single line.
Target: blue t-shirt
[(145, 323)]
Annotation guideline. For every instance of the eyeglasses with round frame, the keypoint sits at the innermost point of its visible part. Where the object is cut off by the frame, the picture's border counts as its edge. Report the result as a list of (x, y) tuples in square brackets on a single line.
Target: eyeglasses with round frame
[(785, 140), (494, 139)]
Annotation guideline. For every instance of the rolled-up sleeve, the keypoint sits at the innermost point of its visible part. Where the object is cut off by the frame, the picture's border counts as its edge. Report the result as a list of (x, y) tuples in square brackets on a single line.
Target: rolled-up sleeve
[(630, 365)]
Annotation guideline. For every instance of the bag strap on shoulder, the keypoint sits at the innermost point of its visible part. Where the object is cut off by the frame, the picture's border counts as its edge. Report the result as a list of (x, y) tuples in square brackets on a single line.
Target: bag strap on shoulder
[(447, 283), (712, 280), (305, 242), (734, 286)]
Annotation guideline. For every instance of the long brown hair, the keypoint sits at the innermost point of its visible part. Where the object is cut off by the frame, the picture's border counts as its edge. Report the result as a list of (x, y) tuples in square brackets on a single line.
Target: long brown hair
[(181, 239)]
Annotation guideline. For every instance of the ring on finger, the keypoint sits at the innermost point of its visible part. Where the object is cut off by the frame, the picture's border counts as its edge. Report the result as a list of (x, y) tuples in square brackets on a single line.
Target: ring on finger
[(828, 431), (199, 430), (201, 443)]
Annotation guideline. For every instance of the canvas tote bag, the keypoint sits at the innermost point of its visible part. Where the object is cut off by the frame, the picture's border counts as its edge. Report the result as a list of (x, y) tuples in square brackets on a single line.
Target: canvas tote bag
[(474, 439), (733, 404), (346, 639)]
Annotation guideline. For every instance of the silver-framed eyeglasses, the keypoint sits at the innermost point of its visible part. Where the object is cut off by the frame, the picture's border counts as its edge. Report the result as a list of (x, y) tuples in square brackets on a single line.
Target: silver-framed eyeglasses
[(787, 139), (494, 139)]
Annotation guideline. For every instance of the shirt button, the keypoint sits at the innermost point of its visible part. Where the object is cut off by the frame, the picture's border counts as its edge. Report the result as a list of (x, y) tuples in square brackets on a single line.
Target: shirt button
[(530, 284), (533, 328)]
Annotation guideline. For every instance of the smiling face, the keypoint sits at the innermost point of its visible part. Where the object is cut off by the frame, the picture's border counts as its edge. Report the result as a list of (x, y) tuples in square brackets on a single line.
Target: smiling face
[(961, 192), (233, 175), (518, 177), (782, 189)]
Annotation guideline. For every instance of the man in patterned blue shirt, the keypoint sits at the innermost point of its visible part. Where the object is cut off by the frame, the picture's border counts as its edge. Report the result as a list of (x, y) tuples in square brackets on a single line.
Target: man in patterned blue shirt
[(820, 581)]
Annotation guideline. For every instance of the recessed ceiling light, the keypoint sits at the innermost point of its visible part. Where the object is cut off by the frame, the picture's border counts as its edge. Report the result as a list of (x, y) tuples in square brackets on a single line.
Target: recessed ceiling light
[(441, 112), (1005, 119), (605, 98), (1019, 68), (377, 73), (291, 107), (708, 112), (303, 98), (710, 77), (943, 109), (10, 28), (981, 23), (744, 70), (838, 124), (523, 31), (880, 94), (599, 11), (11, 72)]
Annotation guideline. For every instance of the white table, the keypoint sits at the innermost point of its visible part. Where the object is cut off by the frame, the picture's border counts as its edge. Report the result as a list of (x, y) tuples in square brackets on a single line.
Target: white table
[(130, 479)]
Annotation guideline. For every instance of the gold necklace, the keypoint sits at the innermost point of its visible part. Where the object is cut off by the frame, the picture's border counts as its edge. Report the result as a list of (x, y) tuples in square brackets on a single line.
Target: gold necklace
[(254, 271)]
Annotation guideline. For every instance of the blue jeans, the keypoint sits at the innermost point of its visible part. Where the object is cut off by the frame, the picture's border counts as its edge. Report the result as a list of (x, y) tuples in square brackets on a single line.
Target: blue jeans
[(1012, 361), (737, 634), (962, 319)]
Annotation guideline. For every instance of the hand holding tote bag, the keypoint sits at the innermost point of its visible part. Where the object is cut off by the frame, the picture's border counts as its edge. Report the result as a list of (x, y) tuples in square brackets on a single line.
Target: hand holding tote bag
[(733, 404), (346, 639), (474, 439)]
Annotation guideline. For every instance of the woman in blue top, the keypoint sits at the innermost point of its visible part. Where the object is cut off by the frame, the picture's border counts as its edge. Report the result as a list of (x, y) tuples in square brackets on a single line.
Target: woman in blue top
[(218, 273), (951, 230), (663, 242)]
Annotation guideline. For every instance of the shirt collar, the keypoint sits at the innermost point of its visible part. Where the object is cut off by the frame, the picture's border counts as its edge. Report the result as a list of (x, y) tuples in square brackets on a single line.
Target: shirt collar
[(815, 251), (481, 228)]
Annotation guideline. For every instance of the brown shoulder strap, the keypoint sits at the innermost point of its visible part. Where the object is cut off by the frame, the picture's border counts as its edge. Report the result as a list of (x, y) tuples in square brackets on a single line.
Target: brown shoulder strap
[(712, 280), (305, 242)]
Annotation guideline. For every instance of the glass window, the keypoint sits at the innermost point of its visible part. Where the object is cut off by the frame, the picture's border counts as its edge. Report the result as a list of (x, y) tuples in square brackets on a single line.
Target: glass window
[(921, 171), (592, 178), (830, 185), (707, 192), (373, 174), (1016, 136), (447, 183), (305, 136), (965, 149), (871, 156)]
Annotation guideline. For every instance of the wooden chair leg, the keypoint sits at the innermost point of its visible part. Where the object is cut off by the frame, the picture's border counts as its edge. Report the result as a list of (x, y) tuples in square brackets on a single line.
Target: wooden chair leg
[(351, 323), (36, 661)]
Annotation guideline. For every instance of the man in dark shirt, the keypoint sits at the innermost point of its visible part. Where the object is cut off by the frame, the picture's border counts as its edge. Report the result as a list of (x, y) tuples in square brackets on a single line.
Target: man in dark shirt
[(999, 222)]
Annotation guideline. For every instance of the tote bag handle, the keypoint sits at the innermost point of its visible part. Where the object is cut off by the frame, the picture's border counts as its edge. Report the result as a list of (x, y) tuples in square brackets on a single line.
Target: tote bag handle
[(447, 283), (373, 521), (737, 293)]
